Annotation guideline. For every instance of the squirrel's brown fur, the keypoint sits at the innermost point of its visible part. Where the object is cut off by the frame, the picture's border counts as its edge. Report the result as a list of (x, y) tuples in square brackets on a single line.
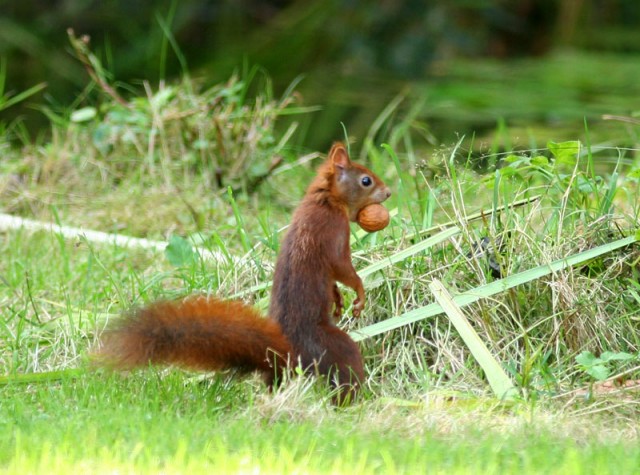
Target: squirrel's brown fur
[(208, 333)]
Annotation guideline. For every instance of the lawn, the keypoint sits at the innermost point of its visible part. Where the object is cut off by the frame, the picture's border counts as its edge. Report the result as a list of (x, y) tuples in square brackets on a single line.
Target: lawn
[(538, 248), (175, 423)]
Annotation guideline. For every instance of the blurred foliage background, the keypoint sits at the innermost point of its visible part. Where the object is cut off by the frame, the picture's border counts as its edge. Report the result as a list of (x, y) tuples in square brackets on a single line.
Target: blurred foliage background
[(470, 63)]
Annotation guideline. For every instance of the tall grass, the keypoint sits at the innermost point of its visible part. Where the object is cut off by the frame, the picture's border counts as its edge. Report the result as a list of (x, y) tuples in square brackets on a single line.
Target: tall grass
[(182, 129), (537, 328)]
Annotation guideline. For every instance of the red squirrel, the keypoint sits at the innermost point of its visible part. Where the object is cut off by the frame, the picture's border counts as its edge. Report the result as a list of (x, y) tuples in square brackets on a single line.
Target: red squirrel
[(207, 333)]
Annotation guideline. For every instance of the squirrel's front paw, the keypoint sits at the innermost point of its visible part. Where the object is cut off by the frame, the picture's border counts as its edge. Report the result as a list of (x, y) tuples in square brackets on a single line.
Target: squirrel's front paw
[(358, 306)]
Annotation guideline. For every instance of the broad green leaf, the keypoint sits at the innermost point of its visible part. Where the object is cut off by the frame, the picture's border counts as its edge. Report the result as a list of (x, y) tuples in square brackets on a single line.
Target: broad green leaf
[(565, 153), (619, 356), (513, 158), (586, 185), (586, 359), (508, 172), (540, 161), (599, 372), (179, 252)]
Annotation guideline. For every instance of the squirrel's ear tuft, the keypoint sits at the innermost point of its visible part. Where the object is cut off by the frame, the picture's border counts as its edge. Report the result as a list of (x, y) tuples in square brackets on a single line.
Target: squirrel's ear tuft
[(338, 155)]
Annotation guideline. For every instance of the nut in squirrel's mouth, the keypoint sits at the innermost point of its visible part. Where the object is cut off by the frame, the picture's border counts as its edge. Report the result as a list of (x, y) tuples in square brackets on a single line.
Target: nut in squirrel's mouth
[(373, 217)]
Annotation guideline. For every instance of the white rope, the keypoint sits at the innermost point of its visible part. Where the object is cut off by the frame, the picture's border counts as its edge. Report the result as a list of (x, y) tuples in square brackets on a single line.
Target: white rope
[(8, 222)]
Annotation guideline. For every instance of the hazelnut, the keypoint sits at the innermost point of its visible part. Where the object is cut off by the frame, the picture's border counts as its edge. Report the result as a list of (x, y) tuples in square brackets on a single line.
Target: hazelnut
[(373, 218)]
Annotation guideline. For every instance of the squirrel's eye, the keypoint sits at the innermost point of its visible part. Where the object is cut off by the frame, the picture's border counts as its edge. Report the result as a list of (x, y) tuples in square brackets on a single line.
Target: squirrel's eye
[(366, 181)]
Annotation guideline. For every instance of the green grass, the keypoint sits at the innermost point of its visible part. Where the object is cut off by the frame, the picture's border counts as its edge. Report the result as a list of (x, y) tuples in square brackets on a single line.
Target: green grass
[(152, 422), (426, 401)]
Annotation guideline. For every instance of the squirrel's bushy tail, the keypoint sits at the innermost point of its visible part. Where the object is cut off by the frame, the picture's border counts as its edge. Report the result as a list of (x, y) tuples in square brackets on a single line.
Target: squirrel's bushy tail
[(200, 333)]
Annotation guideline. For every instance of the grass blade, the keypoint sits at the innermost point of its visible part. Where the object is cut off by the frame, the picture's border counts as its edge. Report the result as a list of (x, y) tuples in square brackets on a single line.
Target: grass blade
[(6, 102), (43, 377), (500, 383), (482, 214), (410, 251)]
